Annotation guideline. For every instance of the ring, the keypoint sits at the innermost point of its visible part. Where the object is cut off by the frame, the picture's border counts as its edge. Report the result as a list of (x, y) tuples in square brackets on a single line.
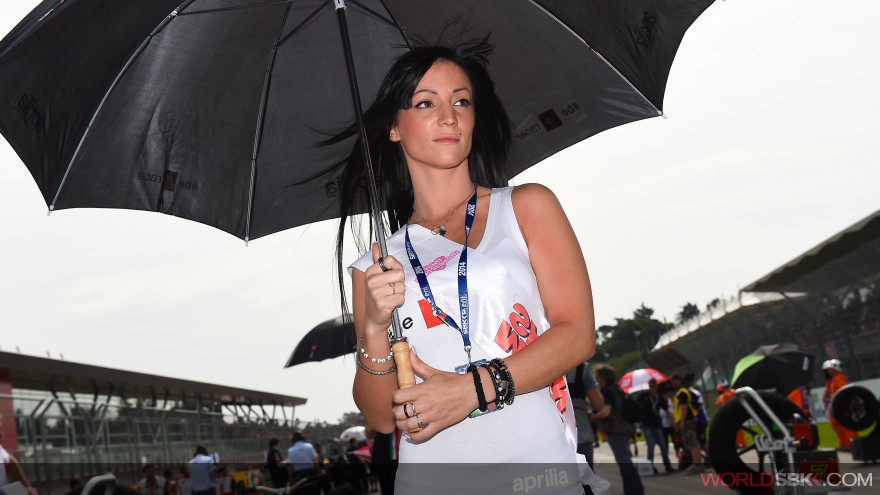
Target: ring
[(412, 405), (419, 422), (382, 264), (404, 410), (393, 290)]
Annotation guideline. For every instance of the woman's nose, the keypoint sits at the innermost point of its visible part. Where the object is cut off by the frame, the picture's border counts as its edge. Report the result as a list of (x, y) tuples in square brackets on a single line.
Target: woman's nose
[(447, 115)]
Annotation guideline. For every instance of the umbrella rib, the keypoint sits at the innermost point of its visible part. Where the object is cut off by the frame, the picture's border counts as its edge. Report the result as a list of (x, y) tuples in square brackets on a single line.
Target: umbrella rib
[(396, 24), (258, 133), (391, 22), (300, 25), (537, 4), (165, 21)]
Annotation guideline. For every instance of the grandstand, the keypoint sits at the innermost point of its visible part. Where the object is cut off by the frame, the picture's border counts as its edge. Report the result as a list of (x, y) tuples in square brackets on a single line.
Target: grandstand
[(66, 420), (826, 301)]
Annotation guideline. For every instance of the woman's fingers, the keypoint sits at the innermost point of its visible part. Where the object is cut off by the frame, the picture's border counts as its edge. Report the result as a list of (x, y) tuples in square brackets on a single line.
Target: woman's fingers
[(385, 287)]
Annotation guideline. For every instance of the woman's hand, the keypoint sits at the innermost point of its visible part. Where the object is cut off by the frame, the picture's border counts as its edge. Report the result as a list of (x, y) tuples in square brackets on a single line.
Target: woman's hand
[(385, 289), (441, 400)]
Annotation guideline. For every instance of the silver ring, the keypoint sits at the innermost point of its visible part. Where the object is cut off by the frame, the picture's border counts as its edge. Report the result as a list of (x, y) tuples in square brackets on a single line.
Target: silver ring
[(412, 405), (404, 410), (382, 264), (419, 422), (393, 290)]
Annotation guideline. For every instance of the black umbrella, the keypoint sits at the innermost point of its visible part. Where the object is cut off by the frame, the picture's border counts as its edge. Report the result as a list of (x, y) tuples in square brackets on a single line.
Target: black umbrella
[(211, 110), (783, 367), (330, 339)]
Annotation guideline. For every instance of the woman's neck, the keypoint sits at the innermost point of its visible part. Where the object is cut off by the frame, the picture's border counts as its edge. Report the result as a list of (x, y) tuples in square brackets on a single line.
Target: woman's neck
[(437, 192)]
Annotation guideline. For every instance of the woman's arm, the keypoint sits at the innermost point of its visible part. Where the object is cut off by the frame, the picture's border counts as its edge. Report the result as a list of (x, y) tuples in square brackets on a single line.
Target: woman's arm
[(373, 300), (564, 284)]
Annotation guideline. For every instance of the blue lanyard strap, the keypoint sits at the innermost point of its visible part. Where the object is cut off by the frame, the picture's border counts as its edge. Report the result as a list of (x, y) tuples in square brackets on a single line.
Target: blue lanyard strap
[(425, 287)]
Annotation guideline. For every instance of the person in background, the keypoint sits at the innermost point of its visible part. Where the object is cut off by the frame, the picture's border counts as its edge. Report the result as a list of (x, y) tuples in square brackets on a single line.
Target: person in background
[(10, 469), (384, 458), (183, 486), (666, 417), (302, 460), (617, 429), (585, 396), (201, 470), (276, 464), (834, 381), (651, 405), (685, 416), (152, 484)]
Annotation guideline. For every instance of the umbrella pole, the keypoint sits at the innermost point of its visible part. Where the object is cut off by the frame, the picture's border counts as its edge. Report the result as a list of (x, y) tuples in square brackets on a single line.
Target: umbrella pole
[(399, 344)]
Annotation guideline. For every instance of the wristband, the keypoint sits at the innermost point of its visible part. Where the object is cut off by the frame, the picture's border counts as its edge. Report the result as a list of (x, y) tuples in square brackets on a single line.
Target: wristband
[(478, 385)]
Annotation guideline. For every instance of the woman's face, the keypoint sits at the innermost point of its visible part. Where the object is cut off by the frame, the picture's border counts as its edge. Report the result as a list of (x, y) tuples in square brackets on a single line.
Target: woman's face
[(436, 131)]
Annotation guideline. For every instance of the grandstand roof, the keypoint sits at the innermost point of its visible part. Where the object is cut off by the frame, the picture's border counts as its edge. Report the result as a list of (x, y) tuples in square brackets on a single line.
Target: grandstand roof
[(851, 256), (45, 374)]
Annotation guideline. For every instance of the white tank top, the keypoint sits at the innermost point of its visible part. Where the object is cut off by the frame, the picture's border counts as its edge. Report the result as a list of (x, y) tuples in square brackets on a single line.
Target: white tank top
[(506, 314)]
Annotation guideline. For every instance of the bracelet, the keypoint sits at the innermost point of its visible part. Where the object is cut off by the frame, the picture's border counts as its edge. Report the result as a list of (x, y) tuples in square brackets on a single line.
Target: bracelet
[(498, 384), (506, 387), (363, 352), (357, 359), (478, 385)]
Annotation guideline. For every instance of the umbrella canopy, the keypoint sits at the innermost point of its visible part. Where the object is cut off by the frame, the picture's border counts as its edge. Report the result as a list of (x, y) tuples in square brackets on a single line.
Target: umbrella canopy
[(783, 367), (358, 433), (330, 339), (637, 380), (211, 110)]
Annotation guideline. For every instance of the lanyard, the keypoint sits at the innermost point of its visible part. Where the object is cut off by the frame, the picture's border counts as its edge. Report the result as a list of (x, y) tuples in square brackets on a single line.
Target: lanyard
[(425, 287)]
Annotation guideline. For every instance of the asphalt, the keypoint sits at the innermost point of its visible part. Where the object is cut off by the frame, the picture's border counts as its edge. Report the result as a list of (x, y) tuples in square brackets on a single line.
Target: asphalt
[(677, 483)]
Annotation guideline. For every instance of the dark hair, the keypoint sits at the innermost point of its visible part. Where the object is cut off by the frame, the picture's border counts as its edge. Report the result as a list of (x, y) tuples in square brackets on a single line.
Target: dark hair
[(201, 449), (487, 161), (147, 466), (273, 442), (606, 372), (297, 436)]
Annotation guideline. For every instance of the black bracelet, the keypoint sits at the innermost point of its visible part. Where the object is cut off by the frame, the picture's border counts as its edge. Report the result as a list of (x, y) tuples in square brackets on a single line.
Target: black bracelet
[(478, 385), (506, 381)]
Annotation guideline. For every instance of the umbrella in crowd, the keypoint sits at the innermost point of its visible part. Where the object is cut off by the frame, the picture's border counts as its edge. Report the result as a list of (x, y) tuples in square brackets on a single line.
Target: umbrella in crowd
[(358, 433), (637, 380), (783, 367), (330, 339)]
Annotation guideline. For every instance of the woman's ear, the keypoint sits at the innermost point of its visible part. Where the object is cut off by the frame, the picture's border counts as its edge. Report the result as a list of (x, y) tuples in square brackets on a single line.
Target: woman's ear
[(393, 135)]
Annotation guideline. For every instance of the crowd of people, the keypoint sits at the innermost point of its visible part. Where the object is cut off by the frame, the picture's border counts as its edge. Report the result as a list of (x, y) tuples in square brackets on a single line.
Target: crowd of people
[(669, 412)]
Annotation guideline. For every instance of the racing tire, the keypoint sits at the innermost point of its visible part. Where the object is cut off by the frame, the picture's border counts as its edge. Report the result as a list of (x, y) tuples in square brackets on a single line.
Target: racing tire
[(855, 407), (726, 457)]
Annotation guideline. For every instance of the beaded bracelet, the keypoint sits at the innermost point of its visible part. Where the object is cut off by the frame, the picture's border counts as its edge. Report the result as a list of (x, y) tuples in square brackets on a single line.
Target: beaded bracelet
[(357, 359), (363, 352), (478, 385)]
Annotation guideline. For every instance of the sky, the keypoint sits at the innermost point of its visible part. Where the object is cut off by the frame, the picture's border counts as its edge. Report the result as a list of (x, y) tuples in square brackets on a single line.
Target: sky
[(766, 151)]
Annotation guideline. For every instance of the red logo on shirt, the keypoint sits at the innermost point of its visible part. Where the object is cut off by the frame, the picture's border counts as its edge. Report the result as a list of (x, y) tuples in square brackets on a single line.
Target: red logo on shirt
[(519, 332), (431, 321)]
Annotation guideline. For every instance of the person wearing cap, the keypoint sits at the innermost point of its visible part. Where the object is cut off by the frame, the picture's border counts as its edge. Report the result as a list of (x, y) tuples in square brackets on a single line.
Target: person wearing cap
[(834, 381)]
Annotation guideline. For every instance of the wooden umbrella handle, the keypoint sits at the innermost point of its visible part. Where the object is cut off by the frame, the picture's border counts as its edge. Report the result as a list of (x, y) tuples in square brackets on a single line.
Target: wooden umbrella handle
[(406, 378)]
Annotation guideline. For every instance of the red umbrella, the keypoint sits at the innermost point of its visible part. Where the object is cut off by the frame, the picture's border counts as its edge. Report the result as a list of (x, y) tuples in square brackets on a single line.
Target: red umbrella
[(637, 380)]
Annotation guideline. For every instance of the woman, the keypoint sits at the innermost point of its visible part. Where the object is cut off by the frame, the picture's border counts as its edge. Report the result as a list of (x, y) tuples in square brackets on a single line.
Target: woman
[(617, 429), (439, 140)]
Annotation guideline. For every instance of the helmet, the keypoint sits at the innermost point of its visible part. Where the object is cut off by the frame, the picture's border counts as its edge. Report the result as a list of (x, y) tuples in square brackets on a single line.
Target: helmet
[(831, 364)]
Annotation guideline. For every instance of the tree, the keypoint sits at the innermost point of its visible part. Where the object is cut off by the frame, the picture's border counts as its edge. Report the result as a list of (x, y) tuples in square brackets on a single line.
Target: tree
[(688, 311), (623, 344)]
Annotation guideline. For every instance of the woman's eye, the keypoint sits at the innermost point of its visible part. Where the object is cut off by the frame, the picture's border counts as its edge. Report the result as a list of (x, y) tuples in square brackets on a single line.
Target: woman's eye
[(423, 104), (464, 102)]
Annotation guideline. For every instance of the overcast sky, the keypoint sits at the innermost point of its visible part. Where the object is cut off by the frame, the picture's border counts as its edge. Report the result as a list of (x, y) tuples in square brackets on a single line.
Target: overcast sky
[(765, 153)]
